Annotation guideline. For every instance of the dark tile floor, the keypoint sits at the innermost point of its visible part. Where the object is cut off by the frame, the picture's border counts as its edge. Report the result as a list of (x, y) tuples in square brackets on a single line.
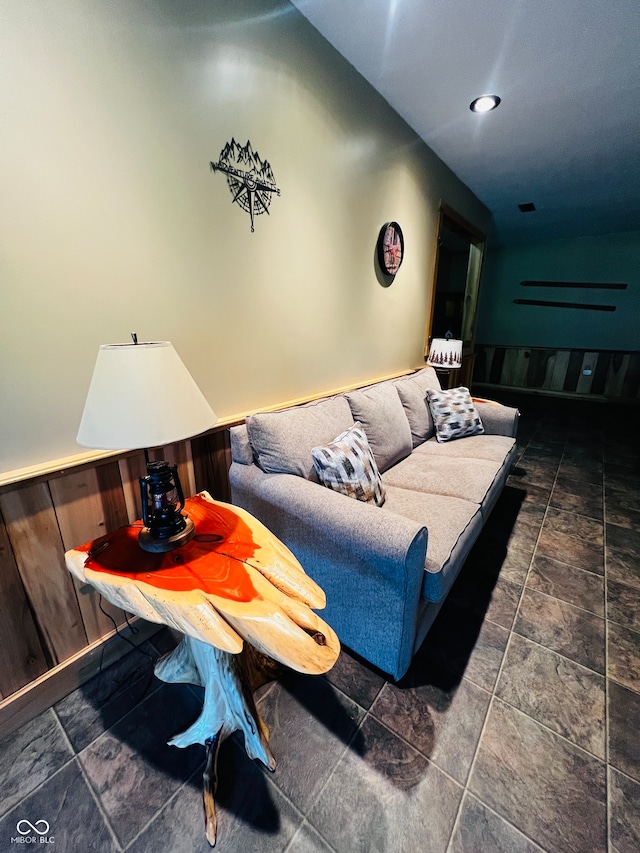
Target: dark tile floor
[(516, 729)]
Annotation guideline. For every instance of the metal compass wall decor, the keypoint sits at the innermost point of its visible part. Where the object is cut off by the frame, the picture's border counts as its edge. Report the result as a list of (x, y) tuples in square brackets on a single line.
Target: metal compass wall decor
[(249, 178)]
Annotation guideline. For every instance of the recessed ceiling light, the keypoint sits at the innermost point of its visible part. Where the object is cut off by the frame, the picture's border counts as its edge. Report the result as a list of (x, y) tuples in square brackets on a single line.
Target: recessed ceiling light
[(484, 104)]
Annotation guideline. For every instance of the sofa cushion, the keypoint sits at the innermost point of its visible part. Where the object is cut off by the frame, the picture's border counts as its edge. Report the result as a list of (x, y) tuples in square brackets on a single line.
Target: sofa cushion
[(492, 447), (282, 441), (412, 391), (379, 410), (444, 475), (346, 465), (453, 525), (453, 413)]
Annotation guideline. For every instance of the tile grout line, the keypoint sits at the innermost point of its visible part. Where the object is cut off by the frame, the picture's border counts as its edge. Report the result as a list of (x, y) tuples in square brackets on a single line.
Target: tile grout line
[(330, 776), (493, 696), (504, 655), (607, 766), (417, 749), (341, 755), (87, 781), (150, 692), (564, 601), (298, 832), (468, 793), (462, 785), (606, 654), (467, 796), (3, 814), (163, 807), (73, 756), (531, 562)]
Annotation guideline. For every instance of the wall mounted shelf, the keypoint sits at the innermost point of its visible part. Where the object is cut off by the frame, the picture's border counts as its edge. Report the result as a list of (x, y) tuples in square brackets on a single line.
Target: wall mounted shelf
[(548, 304), (592, 285)]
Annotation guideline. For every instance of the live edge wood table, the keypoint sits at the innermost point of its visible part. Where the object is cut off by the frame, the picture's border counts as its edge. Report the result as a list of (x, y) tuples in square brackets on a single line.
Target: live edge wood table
[(233, 582)]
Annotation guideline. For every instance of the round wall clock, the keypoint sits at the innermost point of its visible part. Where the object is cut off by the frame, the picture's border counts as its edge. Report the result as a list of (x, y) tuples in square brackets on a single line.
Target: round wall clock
[(390, 248)]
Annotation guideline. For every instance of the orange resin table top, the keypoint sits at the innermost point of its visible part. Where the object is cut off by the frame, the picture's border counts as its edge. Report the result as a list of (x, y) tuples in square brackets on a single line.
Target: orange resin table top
[(213, 561), (233, 581)]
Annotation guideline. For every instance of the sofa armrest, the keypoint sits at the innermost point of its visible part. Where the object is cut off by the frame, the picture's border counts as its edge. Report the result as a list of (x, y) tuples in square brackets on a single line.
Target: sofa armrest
[(496, 418), (361, 529), (369, 562)]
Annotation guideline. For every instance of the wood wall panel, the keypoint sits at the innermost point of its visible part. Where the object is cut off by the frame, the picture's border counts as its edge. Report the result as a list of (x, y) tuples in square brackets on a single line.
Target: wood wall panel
[(112, 496), (571, 373), (48, 616), (37, 546), (22, 657), (587, 370), (601, 372), (514, 366), (560, 365), (131, 469), (211, 462), (617, 373), (51, 633), (79, 508), (631, 384), (180, 454)]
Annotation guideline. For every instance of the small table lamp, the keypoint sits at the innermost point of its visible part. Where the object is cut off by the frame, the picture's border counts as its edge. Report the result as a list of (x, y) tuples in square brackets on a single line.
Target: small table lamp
[(141, 396), (445, 354)]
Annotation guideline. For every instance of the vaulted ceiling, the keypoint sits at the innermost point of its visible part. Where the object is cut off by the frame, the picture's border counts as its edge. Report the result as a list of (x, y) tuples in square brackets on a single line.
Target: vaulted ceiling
[(566, 136)]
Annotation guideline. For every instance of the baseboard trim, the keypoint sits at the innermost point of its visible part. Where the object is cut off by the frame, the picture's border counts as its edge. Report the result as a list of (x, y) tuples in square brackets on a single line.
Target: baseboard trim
[(39, 695), (544, 392)]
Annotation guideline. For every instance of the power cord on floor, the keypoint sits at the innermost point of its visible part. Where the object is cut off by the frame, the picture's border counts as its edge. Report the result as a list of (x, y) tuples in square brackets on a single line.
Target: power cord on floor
[(131, 677)]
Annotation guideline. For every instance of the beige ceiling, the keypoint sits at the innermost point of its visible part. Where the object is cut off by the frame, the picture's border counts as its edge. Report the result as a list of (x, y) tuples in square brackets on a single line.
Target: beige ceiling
[(567, 134)]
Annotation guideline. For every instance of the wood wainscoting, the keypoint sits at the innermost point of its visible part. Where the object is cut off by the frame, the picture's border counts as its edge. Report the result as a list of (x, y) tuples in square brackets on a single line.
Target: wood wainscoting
[(53, 628), (588, 374), (53, 635)]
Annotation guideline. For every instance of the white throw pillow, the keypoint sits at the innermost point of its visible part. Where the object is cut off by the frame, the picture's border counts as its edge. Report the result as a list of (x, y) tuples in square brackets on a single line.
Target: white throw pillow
[(347, 465), (453, 413)]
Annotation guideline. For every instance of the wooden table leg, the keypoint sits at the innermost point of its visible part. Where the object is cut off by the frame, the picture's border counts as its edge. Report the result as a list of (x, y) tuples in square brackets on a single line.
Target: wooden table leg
[(229, 706), (209, 785)]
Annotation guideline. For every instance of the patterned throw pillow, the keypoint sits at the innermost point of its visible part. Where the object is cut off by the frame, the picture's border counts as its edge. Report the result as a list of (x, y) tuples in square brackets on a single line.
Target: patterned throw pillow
[(346, 465), (454, 414)]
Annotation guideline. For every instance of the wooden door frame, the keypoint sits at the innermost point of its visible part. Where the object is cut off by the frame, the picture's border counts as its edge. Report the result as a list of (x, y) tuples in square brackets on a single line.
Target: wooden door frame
[(477, 241)]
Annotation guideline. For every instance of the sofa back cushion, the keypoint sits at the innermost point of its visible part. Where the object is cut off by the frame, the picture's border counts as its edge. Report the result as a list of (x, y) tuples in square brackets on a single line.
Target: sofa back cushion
[(282, 441), (412, 391), (379, 410)]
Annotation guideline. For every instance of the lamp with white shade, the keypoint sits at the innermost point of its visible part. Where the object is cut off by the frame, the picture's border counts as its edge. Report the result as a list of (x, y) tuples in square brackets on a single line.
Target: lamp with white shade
[(141, 395), (445, 353)]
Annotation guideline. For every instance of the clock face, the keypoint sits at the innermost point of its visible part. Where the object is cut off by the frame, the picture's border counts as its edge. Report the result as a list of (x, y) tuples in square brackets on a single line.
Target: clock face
[(390, 248)]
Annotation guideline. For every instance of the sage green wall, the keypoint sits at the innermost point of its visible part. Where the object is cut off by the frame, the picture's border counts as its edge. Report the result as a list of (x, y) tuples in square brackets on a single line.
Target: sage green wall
[(611, 258), (113, 222)]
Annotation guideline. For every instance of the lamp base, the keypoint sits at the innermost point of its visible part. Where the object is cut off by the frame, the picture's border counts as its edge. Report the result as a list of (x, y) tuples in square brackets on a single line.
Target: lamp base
[(151, 543)]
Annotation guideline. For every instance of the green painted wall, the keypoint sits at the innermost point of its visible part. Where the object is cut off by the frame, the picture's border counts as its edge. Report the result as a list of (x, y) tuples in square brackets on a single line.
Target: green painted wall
[(611, 258), (112, 221)]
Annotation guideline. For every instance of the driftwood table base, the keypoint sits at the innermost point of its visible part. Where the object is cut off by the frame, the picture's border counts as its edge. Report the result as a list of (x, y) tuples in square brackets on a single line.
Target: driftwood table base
[(229, 682), (242, 601)]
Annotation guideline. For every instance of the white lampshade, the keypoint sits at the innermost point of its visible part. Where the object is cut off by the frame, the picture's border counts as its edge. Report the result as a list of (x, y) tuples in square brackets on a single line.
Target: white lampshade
[(142, 395), (445, 353)]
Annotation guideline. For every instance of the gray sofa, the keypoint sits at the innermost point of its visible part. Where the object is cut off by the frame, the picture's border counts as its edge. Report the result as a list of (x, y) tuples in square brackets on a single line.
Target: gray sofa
[(385, 569)]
